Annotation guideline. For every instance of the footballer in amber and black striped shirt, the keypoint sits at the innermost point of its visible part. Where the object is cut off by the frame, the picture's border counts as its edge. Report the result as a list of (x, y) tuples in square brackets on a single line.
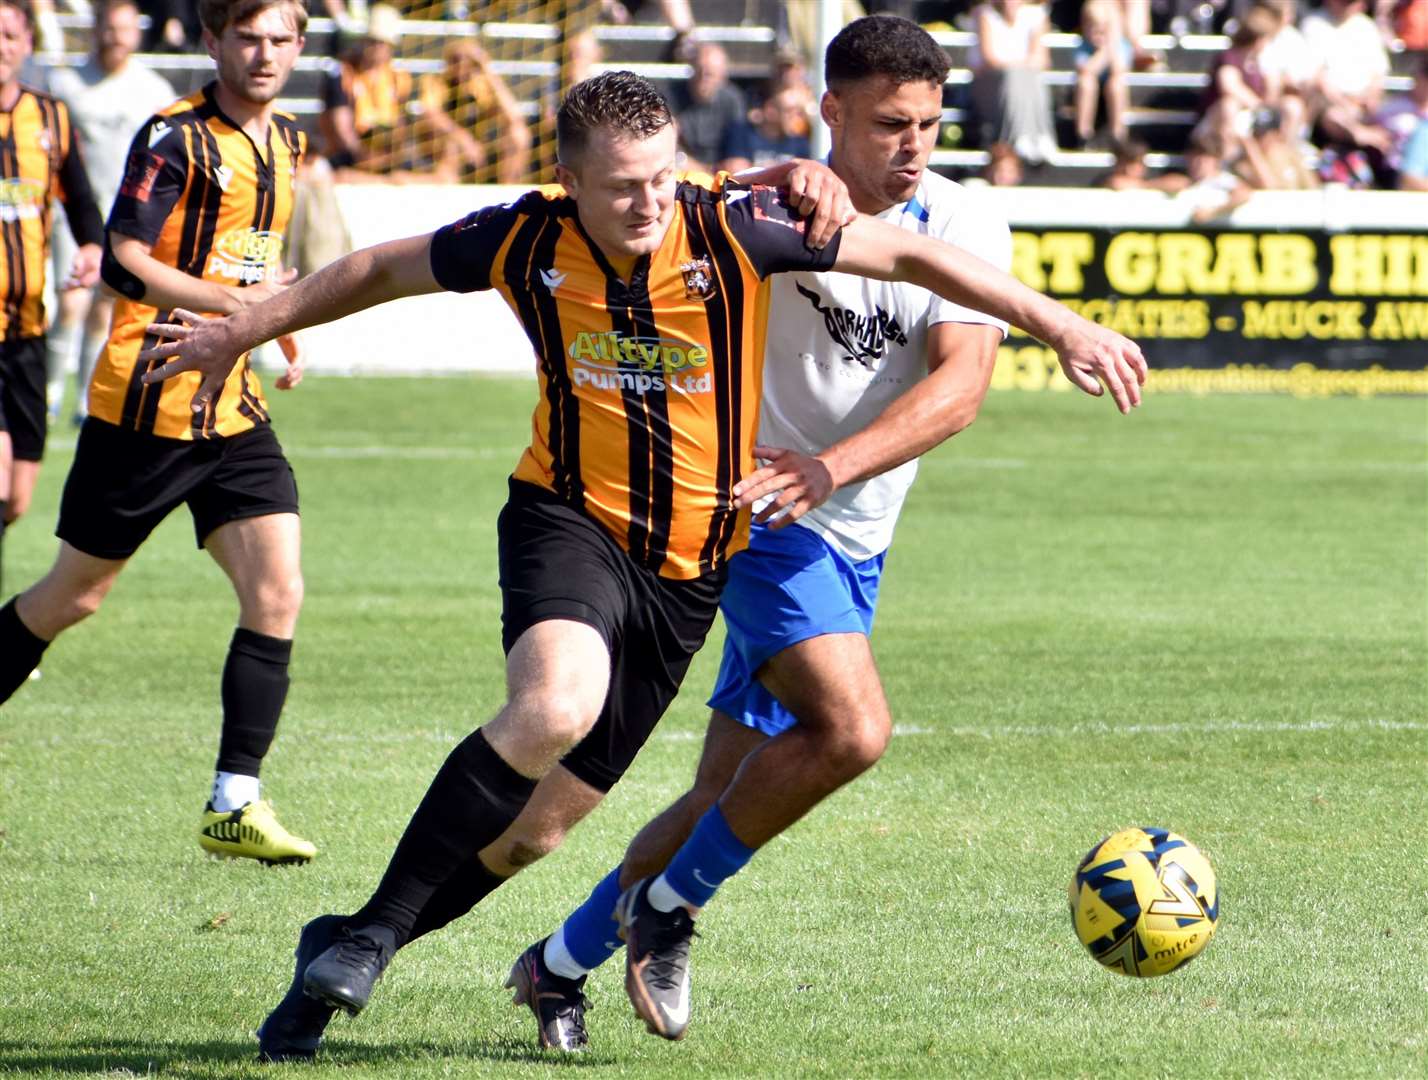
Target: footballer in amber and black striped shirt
[(197, 224), (39, 159)]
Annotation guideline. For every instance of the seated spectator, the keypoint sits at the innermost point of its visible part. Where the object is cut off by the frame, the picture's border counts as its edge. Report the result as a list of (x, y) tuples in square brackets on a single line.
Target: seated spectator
[(1287, 57), (1351, 63), (1245, 109), (1212, 190), (789, 73), (1413, 166), (1004, 167), (1130, 173), (1102, 61), (1013, 105), (708, 106), (782, 133), (472, 121), (364, 120), (1240, 93), (1398, 119)]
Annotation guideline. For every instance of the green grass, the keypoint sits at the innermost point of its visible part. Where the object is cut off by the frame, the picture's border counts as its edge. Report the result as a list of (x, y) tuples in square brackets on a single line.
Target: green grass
[(1209, 616)]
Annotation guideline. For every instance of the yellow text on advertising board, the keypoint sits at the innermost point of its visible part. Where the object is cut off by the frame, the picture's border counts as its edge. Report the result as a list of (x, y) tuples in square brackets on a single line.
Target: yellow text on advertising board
[(1224, 264)]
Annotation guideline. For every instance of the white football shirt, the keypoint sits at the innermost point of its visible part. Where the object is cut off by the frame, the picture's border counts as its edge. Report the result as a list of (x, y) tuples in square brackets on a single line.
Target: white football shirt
[(108, 110), (840, 348)]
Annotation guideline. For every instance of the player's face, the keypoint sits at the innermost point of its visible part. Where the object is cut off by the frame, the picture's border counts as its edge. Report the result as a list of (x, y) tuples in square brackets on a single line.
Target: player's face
[(883, 133), (117, 36), (624, 190), (15, 44), (255, 57)]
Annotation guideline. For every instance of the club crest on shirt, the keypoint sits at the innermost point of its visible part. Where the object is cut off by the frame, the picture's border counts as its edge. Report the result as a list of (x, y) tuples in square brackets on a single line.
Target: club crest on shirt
[(698, 279), (43, 138)]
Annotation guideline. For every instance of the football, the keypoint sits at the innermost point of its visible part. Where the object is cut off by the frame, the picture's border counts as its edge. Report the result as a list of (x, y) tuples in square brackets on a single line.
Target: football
[(1144, 902)]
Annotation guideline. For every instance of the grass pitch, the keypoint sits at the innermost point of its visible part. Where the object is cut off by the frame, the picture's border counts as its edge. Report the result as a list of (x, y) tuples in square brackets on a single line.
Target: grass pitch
[(1209, 616)]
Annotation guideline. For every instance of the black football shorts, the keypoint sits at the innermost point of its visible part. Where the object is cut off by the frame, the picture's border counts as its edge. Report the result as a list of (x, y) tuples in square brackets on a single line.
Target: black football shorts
[(122, 484), (559, 563), (22, 396)]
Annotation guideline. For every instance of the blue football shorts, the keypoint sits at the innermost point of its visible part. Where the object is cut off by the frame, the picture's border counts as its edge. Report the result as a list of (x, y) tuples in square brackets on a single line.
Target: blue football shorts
[(788, 586)]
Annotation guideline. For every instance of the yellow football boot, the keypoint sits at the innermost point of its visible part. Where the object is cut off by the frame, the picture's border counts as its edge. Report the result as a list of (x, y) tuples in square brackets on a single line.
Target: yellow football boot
[(251, 832)]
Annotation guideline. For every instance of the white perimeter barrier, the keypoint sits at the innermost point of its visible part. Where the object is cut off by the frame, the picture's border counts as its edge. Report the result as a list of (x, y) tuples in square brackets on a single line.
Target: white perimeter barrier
[(477, 332)]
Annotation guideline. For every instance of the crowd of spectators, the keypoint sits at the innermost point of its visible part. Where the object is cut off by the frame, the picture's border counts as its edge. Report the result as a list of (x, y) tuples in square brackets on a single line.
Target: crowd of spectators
[(1297, 99)]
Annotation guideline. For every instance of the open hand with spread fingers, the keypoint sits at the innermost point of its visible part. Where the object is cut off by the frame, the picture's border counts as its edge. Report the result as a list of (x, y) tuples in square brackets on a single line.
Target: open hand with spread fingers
[(193, 343), (800, 481), (1092, 355)]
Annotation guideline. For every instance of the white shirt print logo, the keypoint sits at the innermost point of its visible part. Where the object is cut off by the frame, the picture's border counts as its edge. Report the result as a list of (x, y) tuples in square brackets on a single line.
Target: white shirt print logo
[(552, 279), (224, 175), (157, 131)]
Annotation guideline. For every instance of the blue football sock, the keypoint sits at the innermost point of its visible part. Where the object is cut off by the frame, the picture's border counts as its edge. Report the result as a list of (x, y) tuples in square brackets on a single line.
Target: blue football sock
[(710, 856), (591, 933)]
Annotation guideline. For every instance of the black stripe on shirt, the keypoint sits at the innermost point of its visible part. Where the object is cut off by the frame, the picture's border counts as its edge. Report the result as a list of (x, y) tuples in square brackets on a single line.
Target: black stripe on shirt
[(13, 235), (518, 269), (564, 405), (724, 346), (656, 402), (638, 428)]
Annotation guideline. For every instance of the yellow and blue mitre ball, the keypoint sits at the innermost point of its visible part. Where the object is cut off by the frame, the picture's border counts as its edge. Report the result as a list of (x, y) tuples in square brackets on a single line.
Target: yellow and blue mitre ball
[(1144, 902)]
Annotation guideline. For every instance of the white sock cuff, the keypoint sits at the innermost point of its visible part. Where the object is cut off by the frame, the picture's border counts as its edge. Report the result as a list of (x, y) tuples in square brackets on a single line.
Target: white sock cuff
[(662, 896), (558, 959), (233, 790)]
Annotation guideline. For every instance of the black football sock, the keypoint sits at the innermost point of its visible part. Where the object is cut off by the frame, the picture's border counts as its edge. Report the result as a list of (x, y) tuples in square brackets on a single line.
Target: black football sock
[(473, 799), (471, 883), (20, 651), (255, 685), (4, 509)]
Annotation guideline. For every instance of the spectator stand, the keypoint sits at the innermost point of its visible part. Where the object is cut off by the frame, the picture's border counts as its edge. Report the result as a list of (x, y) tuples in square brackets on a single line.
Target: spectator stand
[(527, 54)]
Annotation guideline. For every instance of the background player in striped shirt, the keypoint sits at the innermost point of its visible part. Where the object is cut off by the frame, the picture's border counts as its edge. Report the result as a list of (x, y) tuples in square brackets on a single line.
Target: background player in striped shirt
[(614, 543), (39, 155), (198, 222)]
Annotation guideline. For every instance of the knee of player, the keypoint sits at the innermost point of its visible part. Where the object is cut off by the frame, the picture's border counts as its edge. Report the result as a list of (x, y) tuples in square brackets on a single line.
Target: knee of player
[(856, 745), (280, 596), (557, 716)]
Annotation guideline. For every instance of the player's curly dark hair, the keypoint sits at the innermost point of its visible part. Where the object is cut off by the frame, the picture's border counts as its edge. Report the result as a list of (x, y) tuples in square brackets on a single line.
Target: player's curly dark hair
[(884, 45), (620, 100)]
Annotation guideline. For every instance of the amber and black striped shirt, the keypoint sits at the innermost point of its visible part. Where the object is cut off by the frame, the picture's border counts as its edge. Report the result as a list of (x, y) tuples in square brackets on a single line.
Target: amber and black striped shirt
[(213, 203), (39, 159), (649, 389)]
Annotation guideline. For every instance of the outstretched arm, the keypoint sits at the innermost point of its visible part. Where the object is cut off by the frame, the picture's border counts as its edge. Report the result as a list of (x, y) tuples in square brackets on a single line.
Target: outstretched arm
[(353, 283), (1089, 354)]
